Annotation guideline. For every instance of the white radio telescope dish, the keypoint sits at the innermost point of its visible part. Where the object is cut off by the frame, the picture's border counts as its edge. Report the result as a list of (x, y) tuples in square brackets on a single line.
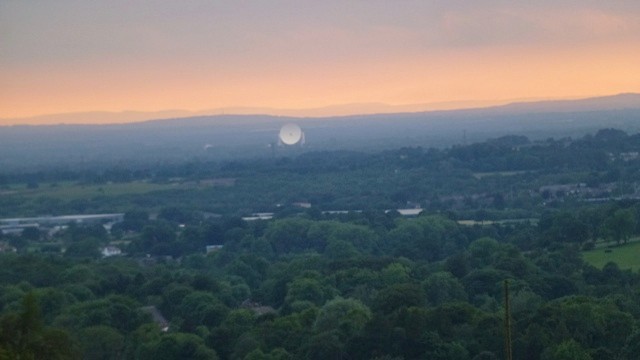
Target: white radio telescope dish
[(291, 134)]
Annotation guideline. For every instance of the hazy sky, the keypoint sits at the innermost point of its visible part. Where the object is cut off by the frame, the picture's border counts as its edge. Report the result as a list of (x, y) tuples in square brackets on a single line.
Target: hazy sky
[(85, 55)]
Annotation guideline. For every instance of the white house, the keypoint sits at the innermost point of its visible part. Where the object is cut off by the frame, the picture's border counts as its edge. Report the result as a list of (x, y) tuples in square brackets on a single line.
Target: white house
[(110, 251)]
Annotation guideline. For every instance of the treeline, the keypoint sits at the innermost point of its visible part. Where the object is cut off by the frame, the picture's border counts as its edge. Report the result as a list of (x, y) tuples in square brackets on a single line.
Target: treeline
[(499, 178), (357, 286), (311, 285), (177, 232), (507, 153)]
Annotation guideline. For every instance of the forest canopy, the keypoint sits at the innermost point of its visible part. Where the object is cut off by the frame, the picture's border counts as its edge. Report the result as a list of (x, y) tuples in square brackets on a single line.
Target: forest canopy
[(336, 269)]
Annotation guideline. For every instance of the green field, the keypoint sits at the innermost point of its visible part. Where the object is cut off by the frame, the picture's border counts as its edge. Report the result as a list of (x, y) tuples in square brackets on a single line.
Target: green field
[(72, 191), (626, 256)]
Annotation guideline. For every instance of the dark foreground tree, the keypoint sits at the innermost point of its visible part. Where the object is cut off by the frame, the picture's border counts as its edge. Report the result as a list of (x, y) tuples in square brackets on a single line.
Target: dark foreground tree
[(23, 335)]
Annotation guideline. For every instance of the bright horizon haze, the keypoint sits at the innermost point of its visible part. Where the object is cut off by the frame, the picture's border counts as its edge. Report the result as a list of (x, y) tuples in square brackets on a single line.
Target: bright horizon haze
[(71, 56)]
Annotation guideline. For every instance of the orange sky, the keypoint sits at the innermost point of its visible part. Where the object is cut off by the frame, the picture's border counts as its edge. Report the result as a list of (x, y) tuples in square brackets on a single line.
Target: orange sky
[(76, 56)]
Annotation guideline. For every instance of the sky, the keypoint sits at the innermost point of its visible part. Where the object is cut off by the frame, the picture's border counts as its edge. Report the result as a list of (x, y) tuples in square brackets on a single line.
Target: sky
[(69, 56)]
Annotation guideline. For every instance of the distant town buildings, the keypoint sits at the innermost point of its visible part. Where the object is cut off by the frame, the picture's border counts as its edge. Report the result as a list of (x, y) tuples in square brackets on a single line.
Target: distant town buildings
[(408, 212), (212, 248), (259, 216), (17, 225), (109, 251)]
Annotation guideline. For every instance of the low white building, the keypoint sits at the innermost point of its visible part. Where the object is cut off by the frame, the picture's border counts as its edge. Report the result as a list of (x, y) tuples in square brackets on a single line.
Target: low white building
[(108, 251), (212, 248)]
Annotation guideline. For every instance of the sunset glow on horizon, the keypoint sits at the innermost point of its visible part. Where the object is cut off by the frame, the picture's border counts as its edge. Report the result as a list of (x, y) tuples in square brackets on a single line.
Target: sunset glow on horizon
[(81, 56)]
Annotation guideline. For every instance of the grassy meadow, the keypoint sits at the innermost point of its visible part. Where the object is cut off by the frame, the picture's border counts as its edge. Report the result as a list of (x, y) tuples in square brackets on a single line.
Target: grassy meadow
[(627, 256), (73, 191)]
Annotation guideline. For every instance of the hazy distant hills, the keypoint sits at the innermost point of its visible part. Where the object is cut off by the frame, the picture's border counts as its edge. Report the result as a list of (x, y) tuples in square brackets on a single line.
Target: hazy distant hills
[(613, 102), (220, 137), (106, 117)]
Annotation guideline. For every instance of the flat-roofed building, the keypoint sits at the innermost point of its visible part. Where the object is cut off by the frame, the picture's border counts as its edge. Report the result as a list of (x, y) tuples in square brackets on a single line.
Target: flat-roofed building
[(17, 225)]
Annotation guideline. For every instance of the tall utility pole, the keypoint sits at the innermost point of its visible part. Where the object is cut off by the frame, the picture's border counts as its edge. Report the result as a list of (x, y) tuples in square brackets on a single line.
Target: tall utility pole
[(508, 353)]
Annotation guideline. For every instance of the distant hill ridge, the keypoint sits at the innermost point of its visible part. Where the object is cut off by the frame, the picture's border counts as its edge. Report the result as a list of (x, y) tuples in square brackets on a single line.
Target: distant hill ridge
[(225, 137), (603, 103), (613, 102)]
